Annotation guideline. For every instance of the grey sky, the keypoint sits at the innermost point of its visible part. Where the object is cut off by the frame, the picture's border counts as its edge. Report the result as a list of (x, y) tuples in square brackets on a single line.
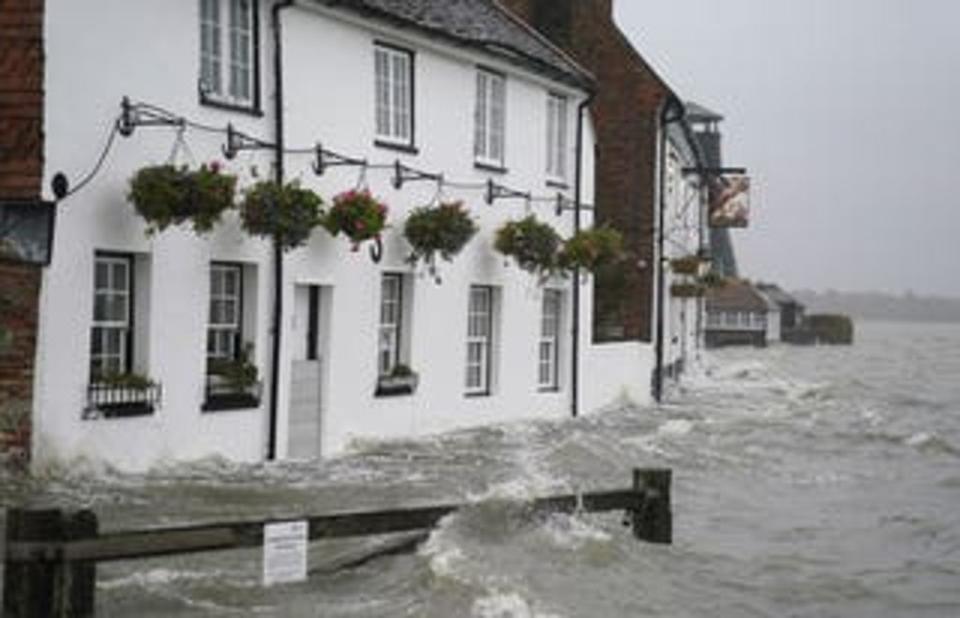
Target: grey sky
[(846, 112)]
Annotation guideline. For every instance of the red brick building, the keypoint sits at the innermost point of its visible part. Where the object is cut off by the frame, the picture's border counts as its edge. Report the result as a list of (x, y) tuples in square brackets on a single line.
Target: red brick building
[(21, 172), (628, 117)]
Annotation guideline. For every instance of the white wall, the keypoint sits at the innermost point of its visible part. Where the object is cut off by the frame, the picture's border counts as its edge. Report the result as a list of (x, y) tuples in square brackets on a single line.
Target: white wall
[(101, 51)]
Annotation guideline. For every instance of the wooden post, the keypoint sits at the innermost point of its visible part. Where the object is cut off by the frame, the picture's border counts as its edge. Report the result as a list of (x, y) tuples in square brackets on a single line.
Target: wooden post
[(44, 584), (80, 577), (653, 519)]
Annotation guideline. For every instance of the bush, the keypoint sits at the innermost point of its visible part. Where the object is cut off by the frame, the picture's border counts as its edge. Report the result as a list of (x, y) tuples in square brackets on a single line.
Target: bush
[(358, 215), (287, 214), (533, 245), (165, 195), (444, 229), (592, 249)]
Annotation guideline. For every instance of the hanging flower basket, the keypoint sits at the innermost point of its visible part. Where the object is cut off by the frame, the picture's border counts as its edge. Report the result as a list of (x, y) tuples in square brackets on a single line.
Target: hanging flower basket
[(444, 229), (686, 265), (592, 249), (166, 195), (686, 290), (711, 279), (358, 215), (286, 213), (533, 245)]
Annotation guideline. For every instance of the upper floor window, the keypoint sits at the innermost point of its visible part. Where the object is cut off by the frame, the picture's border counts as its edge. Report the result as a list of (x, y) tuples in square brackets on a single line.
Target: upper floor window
[(557, 137), (394, 96), (228, 62), (490, 118)]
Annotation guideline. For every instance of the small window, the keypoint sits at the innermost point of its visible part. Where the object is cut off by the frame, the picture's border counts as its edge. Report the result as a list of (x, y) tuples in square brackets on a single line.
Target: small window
[(117, 387), (228, 62), (394, 96), (549, 349), (111, 352), (557, 137), (490, 119), (224, 331), (479, 340), (391, 319)]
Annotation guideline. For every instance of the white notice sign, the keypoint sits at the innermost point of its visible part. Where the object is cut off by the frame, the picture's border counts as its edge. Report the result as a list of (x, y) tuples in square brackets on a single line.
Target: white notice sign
[(284, 552)]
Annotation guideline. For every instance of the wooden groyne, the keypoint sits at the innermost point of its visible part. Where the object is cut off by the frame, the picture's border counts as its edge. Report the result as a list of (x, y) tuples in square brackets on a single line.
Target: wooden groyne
[(51, 555)]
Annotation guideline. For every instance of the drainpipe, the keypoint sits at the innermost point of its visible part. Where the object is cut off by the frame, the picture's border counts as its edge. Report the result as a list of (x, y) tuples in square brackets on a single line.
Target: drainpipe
[(577, 202), (665, 120), (277, 324)]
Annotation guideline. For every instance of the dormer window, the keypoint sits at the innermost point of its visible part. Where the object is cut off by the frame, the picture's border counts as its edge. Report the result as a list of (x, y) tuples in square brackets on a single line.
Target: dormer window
[(229, 75)]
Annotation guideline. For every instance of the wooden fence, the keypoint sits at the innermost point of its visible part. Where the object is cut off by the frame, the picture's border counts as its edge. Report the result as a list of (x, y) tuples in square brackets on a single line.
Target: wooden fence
[(51, 555)]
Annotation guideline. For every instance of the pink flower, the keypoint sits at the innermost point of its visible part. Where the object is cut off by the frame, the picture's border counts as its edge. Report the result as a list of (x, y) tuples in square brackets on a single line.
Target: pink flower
[(215, 167)]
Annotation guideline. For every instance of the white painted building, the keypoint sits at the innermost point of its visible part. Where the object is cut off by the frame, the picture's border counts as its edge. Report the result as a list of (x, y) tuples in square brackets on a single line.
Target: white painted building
[(464, 91), (685, 234)]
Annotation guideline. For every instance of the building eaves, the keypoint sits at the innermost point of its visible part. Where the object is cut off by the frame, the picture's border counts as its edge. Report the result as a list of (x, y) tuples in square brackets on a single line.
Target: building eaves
[(699, 113), (479, 24)]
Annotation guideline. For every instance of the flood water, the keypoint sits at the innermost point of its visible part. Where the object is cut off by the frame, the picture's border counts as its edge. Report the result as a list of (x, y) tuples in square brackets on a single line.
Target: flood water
[(808, 482)]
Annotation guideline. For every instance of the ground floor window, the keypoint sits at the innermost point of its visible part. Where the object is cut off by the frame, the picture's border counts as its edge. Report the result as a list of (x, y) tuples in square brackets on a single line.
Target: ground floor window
[(111, 342), (548, 375), (224, 330), (479, 340)]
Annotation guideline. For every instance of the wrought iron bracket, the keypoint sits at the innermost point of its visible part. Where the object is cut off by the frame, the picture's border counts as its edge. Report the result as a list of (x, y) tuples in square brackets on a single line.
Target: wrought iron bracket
[(325, 159), (133, 115), (499, 192), (403, 174), (238, 141)]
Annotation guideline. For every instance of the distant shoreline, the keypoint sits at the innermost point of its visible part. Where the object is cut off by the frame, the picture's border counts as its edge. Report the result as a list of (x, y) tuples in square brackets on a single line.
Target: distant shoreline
[(881, 307)]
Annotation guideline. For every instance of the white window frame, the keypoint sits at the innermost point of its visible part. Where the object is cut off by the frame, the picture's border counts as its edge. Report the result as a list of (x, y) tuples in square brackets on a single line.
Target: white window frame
[(112, 359), (548, 350), (393, 95), (227, 330), (391, 323), (490, 119), (557, 127), (479, 340), (228, 63)]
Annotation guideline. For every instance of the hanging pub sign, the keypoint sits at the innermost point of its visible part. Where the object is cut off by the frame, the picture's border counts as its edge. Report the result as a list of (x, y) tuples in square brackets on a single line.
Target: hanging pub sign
[(729, 200), (26, 231)]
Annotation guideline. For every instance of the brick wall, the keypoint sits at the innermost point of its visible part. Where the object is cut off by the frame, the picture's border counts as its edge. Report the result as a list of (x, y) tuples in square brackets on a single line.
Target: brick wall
[(21, 171), (626, 119)]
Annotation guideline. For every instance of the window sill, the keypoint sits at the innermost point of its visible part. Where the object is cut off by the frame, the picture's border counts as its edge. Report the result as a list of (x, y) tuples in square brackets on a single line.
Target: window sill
[(558, 184), (490, 167), (405, 148), (549, 390), (477, 395), (238, 401), (251, 109)]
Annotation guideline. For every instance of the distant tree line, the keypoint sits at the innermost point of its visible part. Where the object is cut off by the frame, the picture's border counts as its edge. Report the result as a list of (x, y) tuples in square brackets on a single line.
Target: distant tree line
[(881, 306)]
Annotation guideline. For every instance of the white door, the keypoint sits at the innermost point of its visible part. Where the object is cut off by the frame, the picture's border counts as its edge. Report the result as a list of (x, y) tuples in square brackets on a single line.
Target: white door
[(306, 402)]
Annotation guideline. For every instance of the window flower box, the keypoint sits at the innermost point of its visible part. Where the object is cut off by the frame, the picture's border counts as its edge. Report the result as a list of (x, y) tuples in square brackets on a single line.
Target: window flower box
[(232, 384), (686, 290), (686, 265), (401, 381), (122, 396)]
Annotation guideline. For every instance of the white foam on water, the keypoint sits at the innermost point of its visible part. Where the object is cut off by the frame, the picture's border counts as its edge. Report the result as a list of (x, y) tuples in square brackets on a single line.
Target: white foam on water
[(502, 604), (157, 578), (571, 532), (676, 427)]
